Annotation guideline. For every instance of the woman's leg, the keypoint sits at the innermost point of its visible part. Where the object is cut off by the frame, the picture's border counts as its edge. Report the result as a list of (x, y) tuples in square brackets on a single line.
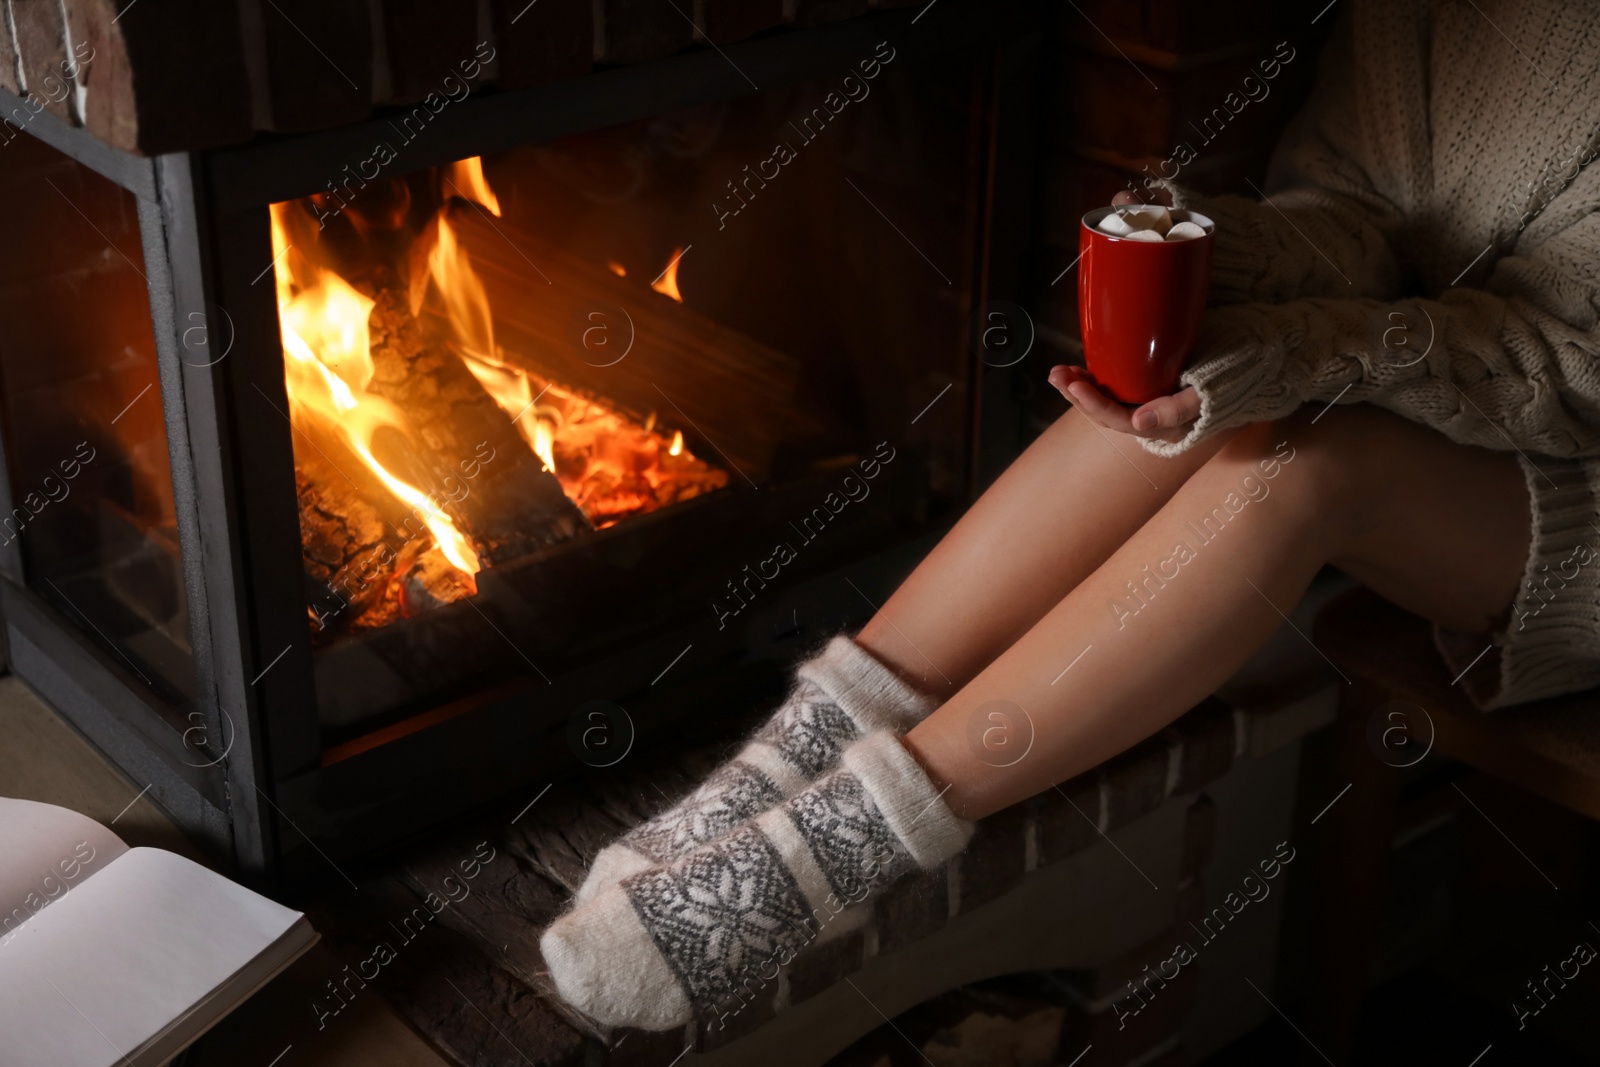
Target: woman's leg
[(1440, 528), (1048, 521), (1054, 516)]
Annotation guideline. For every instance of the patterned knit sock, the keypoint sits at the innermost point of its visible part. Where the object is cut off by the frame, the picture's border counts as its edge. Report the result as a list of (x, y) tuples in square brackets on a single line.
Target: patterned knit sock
[(841, 694), (699, 935)]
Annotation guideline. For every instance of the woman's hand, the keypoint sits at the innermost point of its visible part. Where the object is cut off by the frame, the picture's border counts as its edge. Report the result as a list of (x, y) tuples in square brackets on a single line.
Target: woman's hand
[(1166, 418)]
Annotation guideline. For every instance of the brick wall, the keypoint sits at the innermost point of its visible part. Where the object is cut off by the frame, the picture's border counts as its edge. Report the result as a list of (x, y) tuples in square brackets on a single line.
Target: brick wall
[(186, 74)]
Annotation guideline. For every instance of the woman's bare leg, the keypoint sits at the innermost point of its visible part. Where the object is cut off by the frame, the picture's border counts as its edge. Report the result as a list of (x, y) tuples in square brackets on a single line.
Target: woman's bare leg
[(1439, 528), (1054, 516)]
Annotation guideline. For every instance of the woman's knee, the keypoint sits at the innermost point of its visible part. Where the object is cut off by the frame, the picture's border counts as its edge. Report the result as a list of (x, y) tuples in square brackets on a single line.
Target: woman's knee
[(1350, 461), (1312, 460)]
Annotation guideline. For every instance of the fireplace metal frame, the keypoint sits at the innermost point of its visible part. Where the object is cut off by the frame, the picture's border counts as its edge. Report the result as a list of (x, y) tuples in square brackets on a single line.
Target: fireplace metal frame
[(277, 801)]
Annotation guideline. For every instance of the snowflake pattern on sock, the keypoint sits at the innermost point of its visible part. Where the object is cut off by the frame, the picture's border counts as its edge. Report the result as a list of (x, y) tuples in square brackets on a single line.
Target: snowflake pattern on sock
[(733, 793), (710, 932), (725, 913), (810, 730), (849, 837)]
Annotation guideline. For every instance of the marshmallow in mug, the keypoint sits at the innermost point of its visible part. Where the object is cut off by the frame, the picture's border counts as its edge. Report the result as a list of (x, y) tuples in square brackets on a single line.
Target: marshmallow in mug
[(1148, 223)]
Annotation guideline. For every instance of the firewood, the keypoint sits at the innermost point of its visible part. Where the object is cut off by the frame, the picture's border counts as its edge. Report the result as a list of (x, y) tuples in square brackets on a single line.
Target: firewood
[(342, 537), (509, 505), (735, 393)]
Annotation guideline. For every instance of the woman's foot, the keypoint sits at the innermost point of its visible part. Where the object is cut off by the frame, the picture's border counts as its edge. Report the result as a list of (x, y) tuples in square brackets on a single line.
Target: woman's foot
[(694, 936), (841, 694)]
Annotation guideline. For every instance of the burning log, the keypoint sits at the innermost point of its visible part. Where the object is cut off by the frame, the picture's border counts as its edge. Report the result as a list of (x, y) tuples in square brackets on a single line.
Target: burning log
[(454, 448), (677, 355), (342, 537), (504, 500)]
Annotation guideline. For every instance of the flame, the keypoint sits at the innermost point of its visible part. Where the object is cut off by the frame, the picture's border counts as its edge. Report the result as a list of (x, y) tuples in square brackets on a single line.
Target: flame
[(605, 459), (606, 469), (465, 301), (611, 465), (608, 466), (466, 178), (544, 443), (323, 323), (667, 284), (472, 331)]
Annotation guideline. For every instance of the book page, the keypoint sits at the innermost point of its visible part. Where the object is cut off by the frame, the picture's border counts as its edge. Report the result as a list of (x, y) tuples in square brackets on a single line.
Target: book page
[(123, 955), (46, 852)]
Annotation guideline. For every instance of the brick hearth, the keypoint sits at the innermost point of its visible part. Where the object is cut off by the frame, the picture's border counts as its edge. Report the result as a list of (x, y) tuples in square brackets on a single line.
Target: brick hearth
[(474, 983)]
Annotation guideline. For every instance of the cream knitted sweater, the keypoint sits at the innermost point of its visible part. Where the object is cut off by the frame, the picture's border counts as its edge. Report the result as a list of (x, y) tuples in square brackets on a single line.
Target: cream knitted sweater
[(1436, 194)]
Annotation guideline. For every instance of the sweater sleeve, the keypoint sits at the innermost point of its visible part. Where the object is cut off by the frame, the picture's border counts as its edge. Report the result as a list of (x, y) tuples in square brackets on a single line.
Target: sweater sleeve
[(1513, 365), (1325, 225), (1306, 283)]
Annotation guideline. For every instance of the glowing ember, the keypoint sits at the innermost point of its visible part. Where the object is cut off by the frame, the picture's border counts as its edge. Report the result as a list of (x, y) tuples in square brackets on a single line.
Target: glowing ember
[(613, 467), (617, 268), (667, 284)]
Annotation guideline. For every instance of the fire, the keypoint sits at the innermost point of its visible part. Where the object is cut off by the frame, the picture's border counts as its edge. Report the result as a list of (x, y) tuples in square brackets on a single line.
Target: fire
[(472, 334), (616, 268), (466, 304), (323, 322), (609, 464), (609, 467), (544, 443), (466, 180), (667, 284)]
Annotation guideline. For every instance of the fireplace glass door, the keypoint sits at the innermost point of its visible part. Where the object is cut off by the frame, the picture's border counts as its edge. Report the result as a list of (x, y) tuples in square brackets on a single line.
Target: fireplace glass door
[(91, 509)]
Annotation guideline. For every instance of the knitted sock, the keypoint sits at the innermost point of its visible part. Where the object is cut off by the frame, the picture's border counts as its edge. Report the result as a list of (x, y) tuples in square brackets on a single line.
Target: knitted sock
[(841, 694), (695, 936)]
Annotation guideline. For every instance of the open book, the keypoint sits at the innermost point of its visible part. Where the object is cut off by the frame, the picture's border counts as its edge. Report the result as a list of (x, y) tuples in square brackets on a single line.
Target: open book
[(117, 956)]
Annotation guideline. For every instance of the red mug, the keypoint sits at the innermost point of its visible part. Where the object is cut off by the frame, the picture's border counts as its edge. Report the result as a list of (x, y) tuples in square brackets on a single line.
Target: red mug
[(1139, 304)]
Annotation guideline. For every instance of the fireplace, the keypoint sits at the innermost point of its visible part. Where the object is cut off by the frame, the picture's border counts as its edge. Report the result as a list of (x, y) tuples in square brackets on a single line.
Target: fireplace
[(359, 476)]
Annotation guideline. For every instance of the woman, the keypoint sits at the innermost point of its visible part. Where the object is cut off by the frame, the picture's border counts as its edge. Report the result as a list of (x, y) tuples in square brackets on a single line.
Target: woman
[(1433, 197)]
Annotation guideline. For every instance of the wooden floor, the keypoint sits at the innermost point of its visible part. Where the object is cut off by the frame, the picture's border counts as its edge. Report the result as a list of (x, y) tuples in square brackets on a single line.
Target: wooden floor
[(42, 758)]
